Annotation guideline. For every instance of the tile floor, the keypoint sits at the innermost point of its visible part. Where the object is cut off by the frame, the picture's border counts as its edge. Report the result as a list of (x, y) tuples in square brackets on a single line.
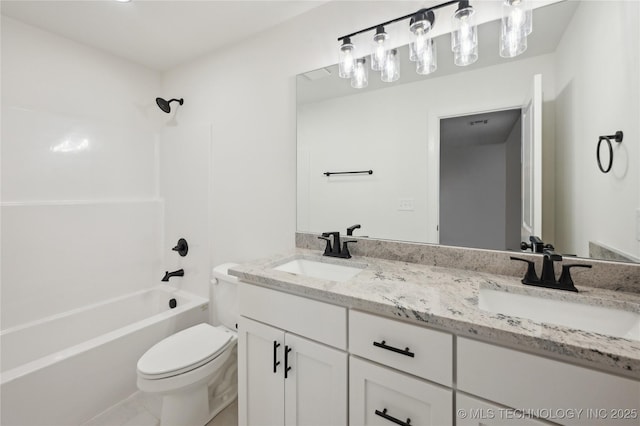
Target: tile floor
[(142, 409)]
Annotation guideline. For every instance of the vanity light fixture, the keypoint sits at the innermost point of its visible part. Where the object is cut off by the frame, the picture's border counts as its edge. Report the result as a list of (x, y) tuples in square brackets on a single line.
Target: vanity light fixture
[(516, 25)]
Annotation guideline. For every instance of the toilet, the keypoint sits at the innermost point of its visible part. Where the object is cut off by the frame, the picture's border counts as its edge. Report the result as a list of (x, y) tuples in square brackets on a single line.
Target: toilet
[(195, 370)]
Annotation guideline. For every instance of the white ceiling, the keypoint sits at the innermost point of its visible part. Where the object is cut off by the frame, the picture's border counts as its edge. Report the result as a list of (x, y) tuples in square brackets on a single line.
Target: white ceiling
[(159, 34)]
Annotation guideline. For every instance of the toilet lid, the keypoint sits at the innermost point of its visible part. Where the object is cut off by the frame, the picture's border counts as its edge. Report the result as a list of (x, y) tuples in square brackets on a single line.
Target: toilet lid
[(184, 351)]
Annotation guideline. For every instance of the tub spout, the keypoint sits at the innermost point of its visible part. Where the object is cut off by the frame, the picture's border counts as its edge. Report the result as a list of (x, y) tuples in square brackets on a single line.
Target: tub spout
[(178, 273)]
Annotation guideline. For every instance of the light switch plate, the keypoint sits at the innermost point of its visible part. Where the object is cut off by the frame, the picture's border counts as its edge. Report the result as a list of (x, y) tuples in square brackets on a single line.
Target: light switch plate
[(406, 204)]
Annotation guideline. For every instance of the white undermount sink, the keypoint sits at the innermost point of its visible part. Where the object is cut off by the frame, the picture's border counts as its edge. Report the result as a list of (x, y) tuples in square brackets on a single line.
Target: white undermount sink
[(598, 319), (322, 270)]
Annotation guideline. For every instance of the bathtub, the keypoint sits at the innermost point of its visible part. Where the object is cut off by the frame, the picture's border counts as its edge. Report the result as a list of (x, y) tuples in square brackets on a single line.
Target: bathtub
[(67, 368)]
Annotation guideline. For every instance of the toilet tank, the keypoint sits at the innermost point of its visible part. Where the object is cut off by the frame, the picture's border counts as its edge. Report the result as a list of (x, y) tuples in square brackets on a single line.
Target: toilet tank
[(224, 296)]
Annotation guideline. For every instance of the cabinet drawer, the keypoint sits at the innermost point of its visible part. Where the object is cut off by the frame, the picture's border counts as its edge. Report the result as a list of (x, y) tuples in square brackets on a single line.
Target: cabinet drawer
[(529, 382), (318, 321), (416, 350), (384, 397)]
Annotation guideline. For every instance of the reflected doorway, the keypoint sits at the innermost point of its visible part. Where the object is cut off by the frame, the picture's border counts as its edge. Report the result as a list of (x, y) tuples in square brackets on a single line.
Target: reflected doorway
[(480, 180)]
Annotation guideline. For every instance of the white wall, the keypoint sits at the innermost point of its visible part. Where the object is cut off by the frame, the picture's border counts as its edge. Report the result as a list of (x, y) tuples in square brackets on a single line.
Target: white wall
[(592, 206), (80, 209), (396, 132), (368, 131)]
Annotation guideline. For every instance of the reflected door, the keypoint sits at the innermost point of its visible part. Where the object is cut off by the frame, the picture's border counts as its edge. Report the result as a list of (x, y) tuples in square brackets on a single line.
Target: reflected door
[(532, 161)]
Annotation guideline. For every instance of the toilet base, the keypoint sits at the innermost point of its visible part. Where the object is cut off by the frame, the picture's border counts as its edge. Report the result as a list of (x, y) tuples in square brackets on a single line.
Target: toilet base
[(197, 405), (186, 408)]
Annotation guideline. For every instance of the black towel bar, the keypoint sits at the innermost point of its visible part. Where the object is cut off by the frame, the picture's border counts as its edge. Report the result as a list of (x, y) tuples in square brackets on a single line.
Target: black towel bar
[(369, 172)]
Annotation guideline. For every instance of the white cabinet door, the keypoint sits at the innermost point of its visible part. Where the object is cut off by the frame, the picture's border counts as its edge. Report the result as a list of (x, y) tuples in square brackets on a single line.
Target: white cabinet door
[(315, 384), (380, 396), (284, 379), (260, 377), (473, 412)]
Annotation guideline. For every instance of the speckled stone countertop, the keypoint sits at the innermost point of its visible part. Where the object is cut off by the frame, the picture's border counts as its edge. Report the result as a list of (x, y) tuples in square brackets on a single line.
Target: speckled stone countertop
[(448, 299)]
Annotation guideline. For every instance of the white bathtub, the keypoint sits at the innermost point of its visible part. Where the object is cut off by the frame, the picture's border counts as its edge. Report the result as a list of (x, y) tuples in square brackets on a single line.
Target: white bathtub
[(65, 369)]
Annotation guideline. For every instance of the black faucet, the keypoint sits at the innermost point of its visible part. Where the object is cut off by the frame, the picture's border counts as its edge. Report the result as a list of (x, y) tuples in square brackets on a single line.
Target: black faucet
[(334, 249), (352, 228), (178, 273), (536, 245), (548, 278)]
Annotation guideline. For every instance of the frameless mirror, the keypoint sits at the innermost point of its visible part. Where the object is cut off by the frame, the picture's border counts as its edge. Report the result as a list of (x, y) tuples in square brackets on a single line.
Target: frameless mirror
[(451, 156)]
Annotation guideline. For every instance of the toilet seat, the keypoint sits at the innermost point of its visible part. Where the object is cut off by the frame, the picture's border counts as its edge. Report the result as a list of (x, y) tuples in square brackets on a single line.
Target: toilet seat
[(184, 351)]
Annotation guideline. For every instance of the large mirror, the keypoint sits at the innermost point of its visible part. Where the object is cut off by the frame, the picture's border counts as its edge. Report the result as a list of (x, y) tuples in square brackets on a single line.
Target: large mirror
[(451, 155)]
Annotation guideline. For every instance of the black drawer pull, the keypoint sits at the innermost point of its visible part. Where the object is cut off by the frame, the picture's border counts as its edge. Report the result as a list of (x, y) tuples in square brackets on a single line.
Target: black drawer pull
[(287, 367), (276, 363), (404, 351), (384, 415)]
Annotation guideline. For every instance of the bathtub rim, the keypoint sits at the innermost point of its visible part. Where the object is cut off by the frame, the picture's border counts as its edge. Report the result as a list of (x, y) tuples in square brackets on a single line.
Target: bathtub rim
[(192, 301)]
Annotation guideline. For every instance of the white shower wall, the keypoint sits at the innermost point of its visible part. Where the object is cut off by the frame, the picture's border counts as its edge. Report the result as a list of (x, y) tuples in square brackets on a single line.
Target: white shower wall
[(81, 212)]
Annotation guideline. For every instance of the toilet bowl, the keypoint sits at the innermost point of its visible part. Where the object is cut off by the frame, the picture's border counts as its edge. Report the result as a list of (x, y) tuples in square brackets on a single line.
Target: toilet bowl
[(195, 370)]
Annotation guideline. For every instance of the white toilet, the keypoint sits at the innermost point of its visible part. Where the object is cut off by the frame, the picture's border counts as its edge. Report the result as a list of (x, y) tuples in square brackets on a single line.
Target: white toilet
[(195, 370)]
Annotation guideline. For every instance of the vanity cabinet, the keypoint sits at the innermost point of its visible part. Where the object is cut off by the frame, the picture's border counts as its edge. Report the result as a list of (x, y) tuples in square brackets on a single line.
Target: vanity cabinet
[(395, 371), (284, 378)]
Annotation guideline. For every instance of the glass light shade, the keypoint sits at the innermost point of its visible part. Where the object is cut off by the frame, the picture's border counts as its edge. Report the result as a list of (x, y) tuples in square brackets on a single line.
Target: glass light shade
[(427, 62), (420, 26), (360, 78), (512, 44), (379, 49), (516, 25), (391, 69), (464, 38), (347, 61)]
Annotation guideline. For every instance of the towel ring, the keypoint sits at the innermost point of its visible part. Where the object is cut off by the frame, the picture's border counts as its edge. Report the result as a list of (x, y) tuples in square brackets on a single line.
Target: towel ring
[(618, 138)]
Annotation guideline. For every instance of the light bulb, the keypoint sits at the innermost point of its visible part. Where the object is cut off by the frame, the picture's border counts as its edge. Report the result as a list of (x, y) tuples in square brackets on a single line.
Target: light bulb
[(346, 63), (360, 78)]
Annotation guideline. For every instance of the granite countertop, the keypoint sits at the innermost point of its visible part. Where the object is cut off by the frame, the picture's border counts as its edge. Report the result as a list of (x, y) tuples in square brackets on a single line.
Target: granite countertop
[(447, 299)]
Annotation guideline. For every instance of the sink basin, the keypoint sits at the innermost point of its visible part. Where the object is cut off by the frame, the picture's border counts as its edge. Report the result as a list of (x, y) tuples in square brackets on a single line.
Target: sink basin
[(598, 319), (322, 270)]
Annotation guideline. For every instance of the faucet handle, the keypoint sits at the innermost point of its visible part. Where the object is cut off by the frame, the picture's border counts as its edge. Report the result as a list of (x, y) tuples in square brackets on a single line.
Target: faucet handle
[(345, 248), (530, 277), (565, 277), (327, 248)]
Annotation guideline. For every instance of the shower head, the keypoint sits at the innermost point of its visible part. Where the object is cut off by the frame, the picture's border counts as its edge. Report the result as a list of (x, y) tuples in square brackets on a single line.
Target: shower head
[(164, 105)]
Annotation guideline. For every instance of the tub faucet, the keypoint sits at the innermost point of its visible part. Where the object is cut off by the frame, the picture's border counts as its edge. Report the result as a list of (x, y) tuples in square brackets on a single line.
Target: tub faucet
[(178, 273)]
